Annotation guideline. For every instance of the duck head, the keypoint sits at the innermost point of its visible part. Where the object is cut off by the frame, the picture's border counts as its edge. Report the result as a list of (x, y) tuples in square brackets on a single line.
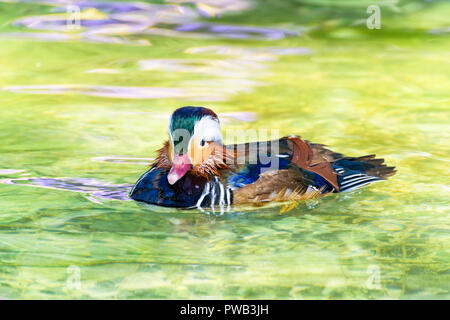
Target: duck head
[(194, 131)]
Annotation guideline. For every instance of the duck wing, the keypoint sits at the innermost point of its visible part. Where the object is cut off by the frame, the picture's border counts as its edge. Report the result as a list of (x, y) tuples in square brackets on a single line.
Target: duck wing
[(280, 170), (298, 169)]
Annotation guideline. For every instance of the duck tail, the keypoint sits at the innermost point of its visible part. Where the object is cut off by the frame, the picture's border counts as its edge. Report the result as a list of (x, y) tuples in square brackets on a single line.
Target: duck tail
[(355, 172)]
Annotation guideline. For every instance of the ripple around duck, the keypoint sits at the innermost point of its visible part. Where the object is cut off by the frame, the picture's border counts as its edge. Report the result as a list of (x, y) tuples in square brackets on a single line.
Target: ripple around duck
[(105, 21), (98, 191), (93, 189), (123, 160)]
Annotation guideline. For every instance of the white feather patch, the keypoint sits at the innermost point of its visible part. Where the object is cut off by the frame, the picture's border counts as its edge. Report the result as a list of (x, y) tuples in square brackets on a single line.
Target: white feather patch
[(208, 128)]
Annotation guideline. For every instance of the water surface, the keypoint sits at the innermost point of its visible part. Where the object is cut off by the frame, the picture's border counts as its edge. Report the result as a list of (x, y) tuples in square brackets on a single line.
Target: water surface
[(84, 109)]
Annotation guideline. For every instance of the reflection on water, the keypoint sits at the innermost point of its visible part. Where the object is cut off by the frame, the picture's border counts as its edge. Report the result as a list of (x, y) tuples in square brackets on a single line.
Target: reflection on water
[(233, 75), (255, 54), (440, 30), (126, 92), (104, 71), (233, 68), (106, 21)]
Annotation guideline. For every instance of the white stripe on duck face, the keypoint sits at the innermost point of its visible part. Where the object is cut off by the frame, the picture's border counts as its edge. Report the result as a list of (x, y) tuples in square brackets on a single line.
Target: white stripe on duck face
[(223, 195)]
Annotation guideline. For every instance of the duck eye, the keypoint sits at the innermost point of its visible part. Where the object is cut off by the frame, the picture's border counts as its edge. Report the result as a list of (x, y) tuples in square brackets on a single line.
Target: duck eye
[(202, 143)]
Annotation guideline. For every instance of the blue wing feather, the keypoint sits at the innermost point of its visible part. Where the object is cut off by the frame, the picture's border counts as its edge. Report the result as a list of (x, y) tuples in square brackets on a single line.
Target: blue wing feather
[(249, 173)]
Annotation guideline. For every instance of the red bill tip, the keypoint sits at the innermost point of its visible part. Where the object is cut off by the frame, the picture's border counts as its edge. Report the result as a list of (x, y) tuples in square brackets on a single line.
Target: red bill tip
[(181, 165)]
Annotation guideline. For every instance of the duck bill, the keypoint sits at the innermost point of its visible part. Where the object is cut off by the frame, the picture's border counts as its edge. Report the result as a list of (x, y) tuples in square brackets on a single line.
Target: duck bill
[(180, 165)]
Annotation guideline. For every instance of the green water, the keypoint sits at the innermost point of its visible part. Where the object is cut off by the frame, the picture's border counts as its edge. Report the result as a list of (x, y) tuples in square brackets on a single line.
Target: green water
[(71, 148)]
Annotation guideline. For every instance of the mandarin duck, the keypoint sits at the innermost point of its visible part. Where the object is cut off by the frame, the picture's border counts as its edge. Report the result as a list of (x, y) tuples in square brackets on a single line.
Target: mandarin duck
[(194, 169)]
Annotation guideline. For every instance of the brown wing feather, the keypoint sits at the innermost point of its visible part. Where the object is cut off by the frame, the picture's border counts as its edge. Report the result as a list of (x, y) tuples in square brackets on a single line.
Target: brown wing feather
[(275, 185), (320, 153), (303, 155), (162, 159)]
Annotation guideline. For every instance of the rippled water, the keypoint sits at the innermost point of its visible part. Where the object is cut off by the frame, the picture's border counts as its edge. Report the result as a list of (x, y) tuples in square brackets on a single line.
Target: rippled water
[(84, 109)]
